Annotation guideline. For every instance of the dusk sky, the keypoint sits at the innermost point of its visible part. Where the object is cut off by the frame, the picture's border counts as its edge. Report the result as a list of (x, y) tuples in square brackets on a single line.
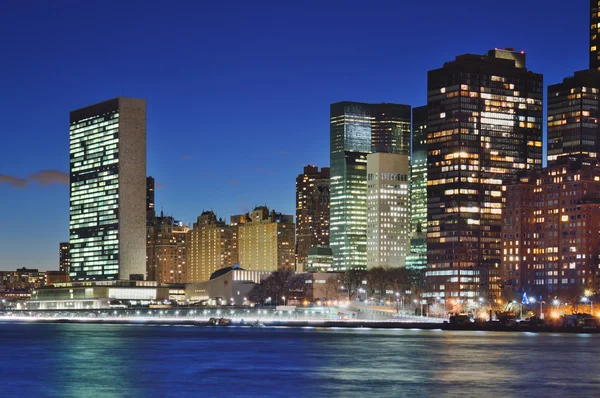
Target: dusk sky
[(237, 92)]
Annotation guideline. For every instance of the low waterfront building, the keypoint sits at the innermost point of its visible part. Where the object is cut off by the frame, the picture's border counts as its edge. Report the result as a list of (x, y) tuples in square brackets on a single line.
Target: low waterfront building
[(230, 285), (96, 295)]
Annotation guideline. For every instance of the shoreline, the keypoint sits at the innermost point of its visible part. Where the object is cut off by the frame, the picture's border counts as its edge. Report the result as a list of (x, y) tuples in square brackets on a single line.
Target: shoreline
[(339, 324)]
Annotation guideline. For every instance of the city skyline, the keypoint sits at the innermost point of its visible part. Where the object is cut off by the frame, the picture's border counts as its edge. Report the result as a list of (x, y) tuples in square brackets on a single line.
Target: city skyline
[(182, 164)]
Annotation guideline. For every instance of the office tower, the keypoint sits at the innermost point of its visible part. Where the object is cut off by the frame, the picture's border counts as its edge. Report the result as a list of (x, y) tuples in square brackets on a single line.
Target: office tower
[(573, 113), (390, 128), (210, 247), (166, 250), (64, 257), (150, 210), (108, 190), (551, 245), (388, 221), (417, 258), (312, 211), (355, 129), (594, 35), (265, 240), (484, 126)]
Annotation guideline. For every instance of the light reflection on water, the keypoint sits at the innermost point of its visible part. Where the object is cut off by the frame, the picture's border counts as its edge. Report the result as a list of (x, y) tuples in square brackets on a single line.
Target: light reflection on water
[(121, 360)]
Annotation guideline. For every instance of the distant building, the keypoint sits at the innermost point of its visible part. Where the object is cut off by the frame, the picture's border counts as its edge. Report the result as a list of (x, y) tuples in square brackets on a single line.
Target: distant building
[(265, 240), (357, 129), (166, 250), (594, 35), (573, 114), (550, 242), (108, 190), (319, 259), (484, 126), (388, 222), (64, 257), (54, 277), (417, 257), (312, 211), (150, 207), (210, 247)]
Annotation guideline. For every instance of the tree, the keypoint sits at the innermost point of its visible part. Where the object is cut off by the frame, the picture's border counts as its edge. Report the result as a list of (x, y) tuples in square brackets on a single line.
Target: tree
[(332, 287), (352, 281)]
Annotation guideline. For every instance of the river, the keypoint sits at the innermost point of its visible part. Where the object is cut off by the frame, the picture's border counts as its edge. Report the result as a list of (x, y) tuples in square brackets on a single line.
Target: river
[(87, 360)]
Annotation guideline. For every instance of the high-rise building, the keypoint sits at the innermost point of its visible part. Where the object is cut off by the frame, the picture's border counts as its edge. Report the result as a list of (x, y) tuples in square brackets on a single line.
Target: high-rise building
[(356, 130), (551, 245), (166, 250), (484, 126), (417, 257), (150, 210), (108, 190), (388, 222), (64, 257), (265, 240), (573, 114), (210, 247), (594, 35), (312, 211)]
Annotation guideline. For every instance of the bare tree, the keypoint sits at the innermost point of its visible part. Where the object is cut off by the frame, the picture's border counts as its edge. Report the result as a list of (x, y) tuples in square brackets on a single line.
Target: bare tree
[(352, 281)]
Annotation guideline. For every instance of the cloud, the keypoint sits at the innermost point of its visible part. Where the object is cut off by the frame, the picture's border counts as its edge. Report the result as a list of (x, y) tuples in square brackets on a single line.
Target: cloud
[(234, 182), (48, 177), (158, 185), (44, 177), (15, 182)]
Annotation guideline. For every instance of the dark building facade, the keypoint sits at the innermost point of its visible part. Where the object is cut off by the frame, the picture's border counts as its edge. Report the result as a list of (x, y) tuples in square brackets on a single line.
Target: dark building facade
[(312, 211), (550, 232), (150, 208), (64, 257), (594, 35), (484, 126), (573, 114), (356, 129)]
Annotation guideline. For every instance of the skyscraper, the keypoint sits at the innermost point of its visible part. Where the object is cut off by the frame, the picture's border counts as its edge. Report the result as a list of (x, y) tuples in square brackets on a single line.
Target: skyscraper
[(484, 125), (210, 247), (594, 35), (417, 258), (108, 190), (64, 257), (573, 114), (355, 130), (388, 221), (312, 211)]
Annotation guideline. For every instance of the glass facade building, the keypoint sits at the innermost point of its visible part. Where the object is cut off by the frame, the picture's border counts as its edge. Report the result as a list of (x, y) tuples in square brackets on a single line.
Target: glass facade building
[(484, 126), (356, 129), (417, 258), (108, 190)]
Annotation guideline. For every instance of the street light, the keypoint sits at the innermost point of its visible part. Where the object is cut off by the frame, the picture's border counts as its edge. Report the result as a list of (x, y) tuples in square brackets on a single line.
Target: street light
[(283, 298), (587, 300)]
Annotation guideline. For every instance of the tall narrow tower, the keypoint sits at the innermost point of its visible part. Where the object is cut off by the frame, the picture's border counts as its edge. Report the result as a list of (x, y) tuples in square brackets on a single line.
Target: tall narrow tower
[(108, 190)]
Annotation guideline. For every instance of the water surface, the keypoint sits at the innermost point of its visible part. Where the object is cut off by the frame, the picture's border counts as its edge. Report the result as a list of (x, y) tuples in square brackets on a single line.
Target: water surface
[(73, 360)]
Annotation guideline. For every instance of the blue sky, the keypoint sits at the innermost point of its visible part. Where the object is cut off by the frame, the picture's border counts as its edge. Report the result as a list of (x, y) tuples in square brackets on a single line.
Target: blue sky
[(238, 92)]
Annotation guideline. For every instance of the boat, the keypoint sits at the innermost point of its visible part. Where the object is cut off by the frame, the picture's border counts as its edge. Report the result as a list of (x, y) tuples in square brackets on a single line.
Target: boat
[(219, 322)]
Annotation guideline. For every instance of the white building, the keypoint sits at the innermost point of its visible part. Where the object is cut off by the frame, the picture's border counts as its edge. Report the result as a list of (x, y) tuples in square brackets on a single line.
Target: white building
[(388, 221)]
